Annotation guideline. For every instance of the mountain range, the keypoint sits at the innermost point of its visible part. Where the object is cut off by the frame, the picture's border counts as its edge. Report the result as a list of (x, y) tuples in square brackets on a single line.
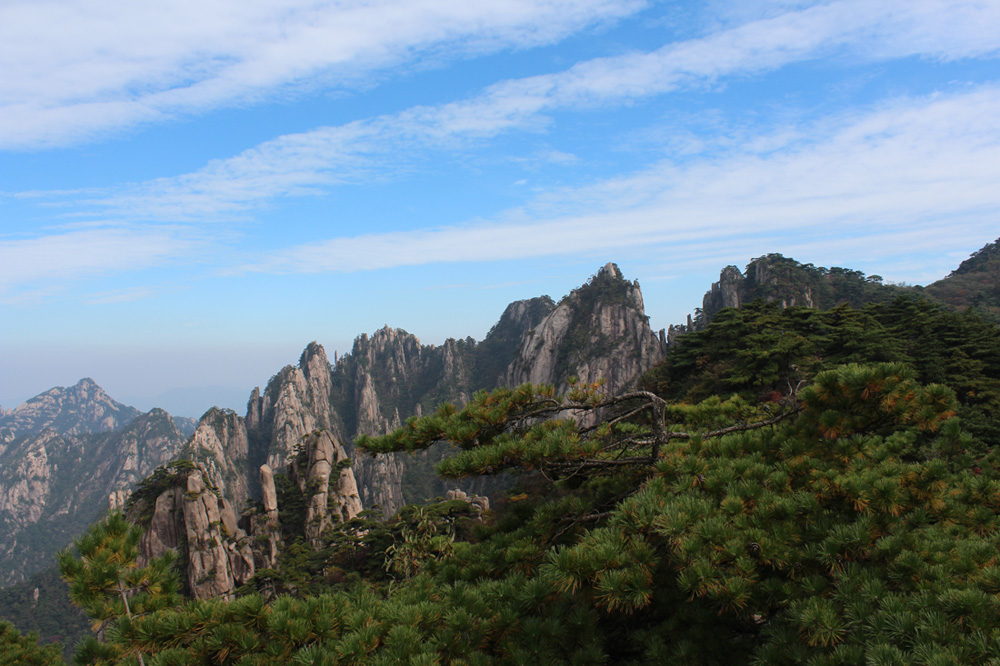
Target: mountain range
[(69, 451)]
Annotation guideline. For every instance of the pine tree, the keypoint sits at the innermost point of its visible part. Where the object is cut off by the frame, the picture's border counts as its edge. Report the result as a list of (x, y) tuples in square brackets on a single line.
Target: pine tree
[(105, 579), (25, 650)]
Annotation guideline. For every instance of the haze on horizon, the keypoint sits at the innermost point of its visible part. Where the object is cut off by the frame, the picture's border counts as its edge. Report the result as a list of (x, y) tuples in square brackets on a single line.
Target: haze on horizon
[(192, 193)]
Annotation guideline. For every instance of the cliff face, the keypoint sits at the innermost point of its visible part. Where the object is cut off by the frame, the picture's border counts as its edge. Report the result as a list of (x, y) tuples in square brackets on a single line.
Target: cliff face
[(599, 331), (298, 401), (390, 376), (221, 445), (295, 402), (52, 484), (378, 384), (182, 510), (500, 347), (194, 520), (324, 475)]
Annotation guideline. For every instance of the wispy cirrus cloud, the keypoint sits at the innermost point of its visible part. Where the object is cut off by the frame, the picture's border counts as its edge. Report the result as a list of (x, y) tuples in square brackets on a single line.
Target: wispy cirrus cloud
[(126, 295), (75, 69), (29, 266), (900, 172), (914, 160), (315, 161)]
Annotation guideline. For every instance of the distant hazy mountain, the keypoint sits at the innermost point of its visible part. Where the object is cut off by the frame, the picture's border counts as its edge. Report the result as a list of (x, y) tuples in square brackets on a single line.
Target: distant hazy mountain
[(81, 408), (63, 454)]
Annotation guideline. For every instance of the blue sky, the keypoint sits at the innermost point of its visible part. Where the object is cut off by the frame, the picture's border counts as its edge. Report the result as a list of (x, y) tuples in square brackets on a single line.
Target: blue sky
[(192, 192)]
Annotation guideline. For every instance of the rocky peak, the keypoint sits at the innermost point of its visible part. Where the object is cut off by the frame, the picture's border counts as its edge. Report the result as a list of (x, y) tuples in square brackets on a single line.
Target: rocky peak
[(396, 352), (150, 440), (255, 410), (83, 407), (183, 509), (726, 293), (521, 316), (296, 402), (496, 352), (221, 446), (314, 364), (599, 331), (611, 270)]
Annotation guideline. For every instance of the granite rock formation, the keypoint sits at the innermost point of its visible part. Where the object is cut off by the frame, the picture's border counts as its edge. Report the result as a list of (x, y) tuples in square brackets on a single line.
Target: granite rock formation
[(52, 485), (325, 477), (599, 331), (193, 519)]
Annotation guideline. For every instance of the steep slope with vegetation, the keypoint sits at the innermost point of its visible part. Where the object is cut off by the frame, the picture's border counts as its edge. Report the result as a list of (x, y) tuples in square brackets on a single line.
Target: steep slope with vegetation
[(41, 605), (778, 279), (974, 284)]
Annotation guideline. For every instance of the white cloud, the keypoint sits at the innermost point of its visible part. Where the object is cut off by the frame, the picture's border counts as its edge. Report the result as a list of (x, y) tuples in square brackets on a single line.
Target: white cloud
[(894, 173), (914, 163), (317, 160), (126, 295), (49, 259), (74, 69)]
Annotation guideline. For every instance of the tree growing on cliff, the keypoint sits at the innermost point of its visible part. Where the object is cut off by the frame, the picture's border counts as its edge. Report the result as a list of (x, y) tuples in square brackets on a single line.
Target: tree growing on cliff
[(105, 579)]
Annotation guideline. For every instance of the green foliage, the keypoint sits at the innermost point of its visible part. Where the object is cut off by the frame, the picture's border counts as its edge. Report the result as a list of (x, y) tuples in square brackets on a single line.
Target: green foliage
[(25, 650), (292, 504), (829, 540), (105, 579), (763, 352), (367, 547), (418, 544)]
